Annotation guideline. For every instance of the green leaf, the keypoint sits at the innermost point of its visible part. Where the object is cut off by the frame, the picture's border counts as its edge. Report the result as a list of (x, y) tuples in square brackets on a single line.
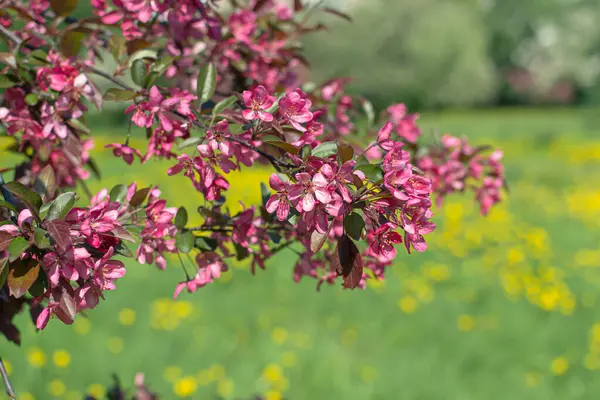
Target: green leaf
[(118, 193), (63, 7), (3, 271), (44, 210), (305, 152), (79, 125), (241, 252), (39, 285), (224, 105), (207, 82), (16, 247), (31, 99), (276, 238), (123, 250), (38, 58), (30, 199), (45, 183), (71, 42), (265, 193), (236, 128), (354, 224), (5, 239), (150, 79), (346, 152), (138, 198), (325, 149), (6, 81), (21, 276), (138, 72), (185, 241), (6, 204), (193, 141), (115, 94), (206, 244), (61, 206), (372, 172), (181, 218), (277, 142), (161, 65), (122, 234), (140, 55), (41, 238)]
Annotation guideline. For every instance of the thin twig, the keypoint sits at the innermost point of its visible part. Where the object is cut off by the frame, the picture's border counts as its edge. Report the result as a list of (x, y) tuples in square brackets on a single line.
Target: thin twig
[(9, 389)]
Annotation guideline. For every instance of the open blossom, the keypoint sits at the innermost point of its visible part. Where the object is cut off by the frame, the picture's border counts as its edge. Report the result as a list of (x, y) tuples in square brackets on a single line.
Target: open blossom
[(279, 202), (190, 166), (382, 241), (124, 151), (295, 108), (242, 25), (210, 266), (157, 106), (258, 102), (405, 123), (307, 191), (217, 138)]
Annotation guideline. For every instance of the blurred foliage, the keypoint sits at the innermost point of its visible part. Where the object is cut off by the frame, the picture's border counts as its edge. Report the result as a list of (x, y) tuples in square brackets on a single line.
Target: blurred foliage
[(432, 53)]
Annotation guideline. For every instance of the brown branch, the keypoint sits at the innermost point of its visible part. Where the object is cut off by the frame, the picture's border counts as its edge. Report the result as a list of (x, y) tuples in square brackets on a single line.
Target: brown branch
[(9, 389)]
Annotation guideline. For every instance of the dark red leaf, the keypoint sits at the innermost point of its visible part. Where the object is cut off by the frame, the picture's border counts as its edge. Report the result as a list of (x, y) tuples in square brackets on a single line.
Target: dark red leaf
[(5, 239), (66, 309), (298, 6), (348, 262), (138, 198), (21, 276), (60, 232)]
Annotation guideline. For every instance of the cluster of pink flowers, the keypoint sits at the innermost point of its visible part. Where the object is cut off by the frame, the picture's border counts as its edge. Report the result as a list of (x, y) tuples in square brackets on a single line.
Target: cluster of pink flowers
[(456, 166)]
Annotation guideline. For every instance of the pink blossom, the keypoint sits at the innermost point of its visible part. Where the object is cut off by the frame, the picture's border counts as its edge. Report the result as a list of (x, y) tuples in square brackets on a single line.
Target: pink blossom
[(258, 102), (279, 201), (124, 151), (303, 194), (382, 240), (295, 108)]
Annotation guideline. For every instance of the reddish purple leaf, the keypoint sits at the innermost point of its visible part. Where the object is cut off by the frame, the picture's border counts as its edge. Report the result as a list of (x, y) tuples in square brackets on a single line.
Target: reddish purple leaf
[(60, 232), (298, 6), (5, 239), (67, 309), (337, 13), (348, 262)]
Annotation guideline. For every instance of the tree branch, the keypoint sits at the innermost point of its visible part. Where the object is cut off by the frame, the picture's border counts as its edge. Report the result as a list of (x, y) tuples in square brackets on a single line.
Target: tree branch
[(9, 389)]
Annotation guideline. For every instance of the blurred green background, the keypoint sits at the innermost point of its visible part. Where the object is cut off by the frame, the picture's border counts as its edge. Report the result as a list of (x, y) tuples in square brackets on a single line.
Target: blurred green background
[(502, 307)]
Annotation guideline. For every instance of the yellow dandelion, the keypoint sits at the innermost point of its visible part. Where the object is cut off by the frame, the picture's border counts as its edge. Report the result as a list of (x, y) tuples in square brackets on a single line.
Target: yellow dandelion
[(61, 358), (57, 388), (408, 304), (273, 395), (465, 323), (279, 335), (8, 367), (183, 309), (273, 373), (115, 345), (36, 357), (288, 359), (25, 396), (96, 390), (302, 340), (172, 373), (281, 385), (185, 386), (225, 387), (559, 366), (592, 362), (127, 316)]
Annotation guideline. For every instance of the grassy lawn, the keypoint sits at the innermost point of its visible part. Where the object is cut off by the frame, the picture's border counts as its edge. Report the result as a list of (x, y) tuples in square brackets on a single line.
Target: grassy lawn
[(504, 307)]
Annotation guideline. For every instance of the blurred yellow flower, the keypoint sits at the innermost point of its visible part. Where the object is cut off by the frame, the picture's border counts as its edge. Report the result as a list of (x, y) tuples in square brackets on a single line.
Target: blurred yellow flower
[(408, 304), (96, 390), (127, 316), (73, 395), (288, 359), (36, 357), (56, 388), (217, 371), (61, 358), (368, 374), (533, 379), (279, 335), (273, 373), (185, 386), (8, 367), (115, 345), (349, 337), (204, 377), (559, 366), (465, 323), (273, 395), (82, 326), (25, 396)]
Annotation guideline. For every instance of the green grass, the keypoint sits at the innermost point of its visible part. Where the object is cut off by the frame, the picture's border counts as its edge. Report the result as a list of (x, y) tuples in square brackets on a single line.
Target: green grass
[(499, 308)]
